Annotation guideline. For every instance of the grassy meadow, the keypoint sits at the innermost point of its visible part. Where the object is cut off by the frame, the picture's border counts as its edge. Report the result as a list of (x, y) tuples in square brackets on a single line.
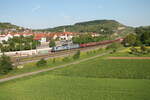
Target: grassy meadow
[(96, 79), (49, 87), (30, 67)]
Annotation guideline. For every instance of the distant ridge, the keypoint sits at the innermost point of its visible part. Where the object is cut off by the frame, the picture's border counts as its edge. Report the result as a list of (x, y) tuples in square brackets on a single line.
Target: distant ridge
[(8, 26), (98, 26)]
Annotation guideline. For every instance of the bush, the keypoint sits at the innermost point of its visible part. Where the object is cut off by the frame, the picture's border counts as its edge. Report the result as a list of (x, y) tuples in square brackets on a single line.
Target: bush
[(94, 51), (133, 50), (5, 64), (148, 50), (114, 46), (143, 48), (65, 59), (77, 55), (42, 62), (54, 60), (87, 52)]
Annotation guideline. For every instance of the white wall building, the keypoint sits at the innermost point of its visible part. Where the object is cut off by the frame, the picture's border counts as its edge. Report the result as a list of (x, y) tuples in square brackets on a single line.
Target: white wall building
[(5, 37)]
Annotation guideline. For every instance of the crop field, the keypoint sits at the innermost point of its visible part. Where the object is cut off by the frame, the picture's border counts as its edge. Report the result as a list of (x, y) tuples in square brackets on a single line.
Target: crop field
[(96, 79), (109, 68), (49, 87)]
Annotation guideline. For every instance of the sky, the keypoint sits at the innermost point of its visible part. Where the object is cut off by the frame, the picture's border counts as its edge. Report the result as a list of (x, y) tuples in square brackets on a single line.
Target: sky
[(39, 14)]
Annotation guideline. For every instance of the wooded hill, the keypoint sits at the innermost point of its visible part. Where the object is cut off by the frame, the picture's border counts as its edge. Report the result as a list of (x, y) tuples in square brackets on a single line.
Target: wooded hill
[(4, 26), (98, 26), (8, 27)]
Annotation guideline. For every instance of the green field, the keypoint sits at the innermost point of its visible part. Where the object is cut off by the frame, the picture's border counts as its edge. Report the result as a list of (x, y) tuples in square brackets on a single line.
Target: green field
[(30, 67), (97, 79), (49, 87), (107, 68)]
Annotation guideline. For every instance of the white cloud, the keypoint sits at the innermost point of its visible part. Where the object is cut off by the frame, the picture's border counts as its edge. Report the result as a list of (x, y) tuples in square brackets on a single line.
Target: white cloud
[(36, 8)]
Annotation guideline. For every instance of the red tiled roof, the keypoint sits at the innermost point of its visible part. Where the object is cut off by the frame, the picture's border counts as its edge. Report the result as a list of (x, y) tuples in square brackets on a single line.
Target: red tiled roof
[(39, 36)]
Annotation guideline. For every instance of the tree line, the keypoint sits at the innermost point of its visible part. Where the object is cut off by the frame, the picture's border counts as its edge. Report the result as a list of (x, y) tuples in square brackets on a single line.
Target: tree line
[(140, 37), (86, 38)]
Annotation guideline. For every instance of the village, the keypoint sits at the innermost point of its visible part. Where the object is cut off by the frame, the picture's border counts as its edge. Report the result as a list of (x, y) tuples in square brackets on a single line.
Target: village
[(43, 39)]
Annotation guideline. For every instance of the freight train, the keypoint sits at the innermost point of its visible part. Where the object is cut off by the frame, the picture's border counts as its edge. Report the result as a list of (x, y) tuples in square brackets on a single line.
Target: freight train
[(75, 46)]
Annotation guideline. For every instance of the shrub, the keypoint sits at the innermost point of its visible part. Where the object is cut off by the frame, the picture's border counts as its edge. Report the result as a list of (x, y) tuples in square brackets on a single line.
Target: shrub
[(148, 50), (87, 52), (133, 50), (94, 51), (54, 60), (114, 46), (100, 49), (76, 55), (65, 59), (5, 64), (42, 62), (143, 48)]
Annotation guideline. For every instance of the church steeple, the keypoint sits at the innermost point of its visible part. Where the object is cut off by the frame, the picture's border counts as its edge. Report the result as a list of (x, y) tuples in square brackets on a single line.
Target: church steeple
[(64, 30)]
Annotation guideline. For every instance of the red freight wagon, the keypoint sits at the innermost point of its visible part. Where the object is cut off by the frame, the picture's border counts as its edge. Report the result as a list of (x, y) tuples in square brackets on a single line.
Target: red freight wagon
[(100, 43)]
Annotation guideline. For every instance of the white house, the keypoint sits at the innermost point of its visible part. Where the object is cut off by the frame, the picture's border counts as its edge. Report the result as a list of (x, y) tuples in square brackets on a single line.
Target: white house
[(66, 36), (40, 37), (5, 37)]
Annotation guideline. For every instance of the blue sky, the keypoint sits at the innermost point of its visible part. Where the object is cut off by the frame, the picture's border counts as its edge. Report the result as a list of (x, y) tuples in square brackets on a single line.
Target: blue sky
[(50, 13)]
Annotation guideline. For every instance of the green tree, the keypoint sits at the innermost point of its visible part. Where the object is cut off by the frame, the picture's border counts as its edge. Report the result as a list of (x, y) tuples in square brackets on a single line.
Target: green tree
[(130, 40), (76, 55), (5, 64), (144, 35), (52, 43)]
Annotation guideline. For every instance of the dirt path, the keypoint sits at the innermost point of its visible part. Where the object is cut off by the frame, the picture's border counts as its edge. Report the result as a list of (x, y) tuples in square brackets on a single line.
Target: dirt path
[(49, 69), (128, 57)]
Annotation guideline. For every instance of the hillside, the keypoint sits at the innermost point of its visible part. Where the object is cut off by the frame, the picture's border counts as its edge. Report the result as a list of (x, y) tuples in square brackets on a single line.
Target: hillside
[(8, 26), (5, 27), (98, 26)]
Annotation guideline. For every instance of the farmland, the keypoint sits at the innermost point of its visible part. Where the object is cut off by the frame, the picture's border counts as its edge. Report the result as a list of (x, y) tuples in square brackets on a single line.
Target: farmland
[(109, 68), (97, 79), (49, 87)]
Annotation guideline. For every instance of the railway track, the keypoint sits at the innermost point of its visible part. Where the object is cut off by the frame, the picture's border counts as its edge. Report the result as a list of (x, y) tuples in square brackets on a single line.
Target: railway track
[(28, 59)]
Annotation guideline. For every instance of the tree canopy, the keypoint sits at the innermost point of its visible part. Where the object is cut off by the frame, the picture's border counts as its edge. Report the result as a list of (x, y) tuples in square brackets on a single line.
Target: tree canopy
[(19, 43), (5, 64)]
